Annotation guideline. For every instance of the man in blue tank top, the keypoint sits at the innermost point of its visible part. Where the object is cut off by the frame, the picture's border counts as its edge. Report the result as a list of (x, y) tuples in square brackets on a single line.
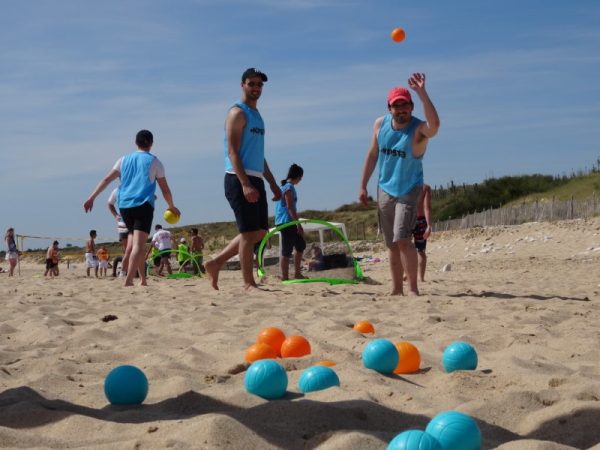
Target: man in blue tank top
[(398, 144), (245, 166)]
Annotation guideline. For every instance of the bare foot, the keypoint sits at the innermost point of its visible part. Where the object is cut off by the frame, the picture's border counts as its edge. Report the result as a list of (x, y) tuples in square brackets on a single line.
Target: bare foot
[(250, 286), (128, 284), (143, 283), (400, 292), (300, 277), (212, 270), (413, 293)]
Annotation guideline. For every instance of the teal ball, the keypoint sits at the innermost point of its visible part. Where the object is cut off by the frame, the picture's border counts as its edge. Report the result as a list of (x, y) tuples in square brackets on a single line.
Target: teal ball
[(414, 440), (380, 355), (267, 379), (317, 378), (455, 431), (459, 356), (126, 385)]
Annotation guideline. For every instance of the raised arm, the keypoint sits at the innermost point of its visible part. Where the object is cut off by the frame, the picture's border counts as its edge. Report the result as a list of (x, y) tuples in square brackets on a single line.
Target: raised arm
[(431, 125), (370, 163)]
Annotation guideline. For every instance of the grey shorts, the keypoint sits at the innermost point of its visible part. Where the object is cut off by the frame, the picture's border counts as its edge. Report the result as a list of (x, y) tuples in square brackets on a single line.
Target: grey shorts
[(397, 215)]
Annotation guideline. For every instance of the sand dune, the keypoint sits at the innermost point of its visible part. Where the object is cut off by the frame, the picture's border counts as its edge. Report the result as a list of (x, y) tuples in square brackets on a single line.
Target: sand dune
[(527, 298)]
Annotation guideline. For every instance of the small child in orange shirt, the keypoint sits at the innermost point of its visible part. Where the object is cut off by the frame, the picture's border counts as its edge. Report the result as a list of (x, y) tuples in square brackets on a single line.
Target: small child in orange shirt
[(102, 260)]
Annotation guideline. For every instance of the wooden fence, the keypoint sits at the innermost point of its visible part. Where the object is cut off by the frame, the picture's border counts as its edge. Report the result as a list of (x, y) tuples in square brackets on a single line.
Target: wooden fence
[(538, 211)]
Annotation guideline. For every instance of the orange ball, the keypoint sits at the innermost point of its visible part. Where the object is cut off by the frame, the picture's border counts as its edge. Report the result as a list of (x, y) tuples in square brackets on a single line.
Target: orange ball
[(259, 351), (295, 347), (325, 363), (410, 359), (364, 327), (272, 336), (398, 35)]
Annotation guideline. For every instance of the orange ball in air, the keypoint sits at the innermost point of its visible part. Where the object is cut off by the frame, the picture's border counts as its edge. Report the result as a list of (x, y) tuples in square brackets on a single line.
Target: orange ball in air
[(398, 35), (410, 359), (364, 327), (272, 336), (295, 347), (259, 351)]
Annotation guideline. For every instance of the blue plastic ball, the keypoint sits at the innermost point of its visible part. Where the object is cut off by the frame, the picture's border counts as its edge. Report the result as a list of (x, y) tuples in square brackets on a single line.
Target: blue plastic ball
[(266, 378), (455, 431), (126, 385), (380, 355), (459, 356), (414, 440), (317, 378)]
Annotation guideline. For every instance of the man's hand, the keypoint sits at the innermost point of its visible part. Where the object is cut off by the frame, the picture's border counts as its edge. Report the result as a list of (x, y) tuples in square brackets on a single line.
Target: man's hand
[(363, 197), (88, 205), (251, 194), (276, 193), (417, 82), (427, 232)]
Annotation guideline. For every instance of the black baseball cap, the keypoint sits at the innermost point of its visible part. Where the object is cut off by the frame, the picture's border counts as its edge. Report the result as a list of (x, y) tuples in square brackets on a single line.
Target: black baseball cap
[(252, 72)]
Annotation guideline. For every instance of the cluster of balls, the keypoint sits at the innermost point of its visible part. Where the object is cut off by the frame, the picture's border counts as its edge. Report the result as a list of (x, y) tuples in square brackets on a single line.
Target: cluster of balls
[(449, 430), (268, 379)]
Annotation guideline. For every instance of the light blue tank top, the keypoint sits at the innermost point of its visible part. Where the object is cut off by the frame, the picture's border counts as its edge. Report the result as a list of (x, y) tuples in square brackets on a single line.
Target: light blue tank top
[(252, 149), (399, 171), (282, 214), (136, 187)]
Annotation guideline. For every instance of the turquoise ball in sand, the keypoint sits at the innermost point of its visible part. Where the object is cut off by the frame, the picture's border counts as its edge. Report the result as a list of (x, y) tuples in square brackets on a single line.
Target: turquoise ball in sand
[(317, 378), (267, 379), (455, 431), (414, 440), (380, 355), (126, 385), (459, 356)]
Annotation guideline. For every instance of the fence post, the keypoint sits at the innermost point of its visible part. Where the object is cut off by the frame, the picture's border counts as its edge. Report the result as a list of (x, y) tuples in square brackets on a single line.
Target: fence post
[(571, 208)]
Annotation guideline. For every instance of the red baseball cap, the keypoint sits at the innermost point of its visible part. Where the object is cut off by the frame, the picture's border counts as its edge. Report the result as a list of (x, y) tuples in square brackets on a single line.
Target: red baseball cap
[(398, 93)]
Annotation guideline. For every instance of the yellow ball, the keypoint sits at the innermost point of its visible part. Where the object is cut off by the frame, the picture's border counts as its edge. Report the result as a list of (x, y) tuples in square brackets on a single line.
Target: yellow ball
[(170, 217)]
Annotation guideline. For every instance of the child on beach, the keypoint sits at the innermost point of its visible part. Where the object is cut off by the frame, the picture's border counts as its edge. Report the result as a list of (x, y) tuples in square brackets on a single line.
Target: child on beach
[(139, 172), (91, 260), (292, 236), (102, 260)]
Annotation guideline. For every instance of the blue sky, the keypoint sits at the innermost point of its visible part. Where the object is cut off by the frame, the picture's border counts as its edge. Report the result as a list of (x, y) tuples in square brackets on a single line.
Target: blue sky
[(515, 84)]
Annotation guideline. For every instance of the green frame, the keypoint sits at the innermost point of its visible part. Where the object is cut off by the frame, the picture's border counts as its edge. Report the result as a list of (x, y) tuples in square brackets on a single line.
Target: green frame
[(184, 253), (332, 281)]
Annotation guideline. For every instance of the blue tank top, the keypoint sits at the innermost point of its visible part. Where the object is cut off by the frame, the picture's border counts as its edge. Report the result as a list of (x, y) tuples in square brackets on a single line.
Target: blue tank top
[(136, 187), (399, 171), (282, 214), (252, 149)]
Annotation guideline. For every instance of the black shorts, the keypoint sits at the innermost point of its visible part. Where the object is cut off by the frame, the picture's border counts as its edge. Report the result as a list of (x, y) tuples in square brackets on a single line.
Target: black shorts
[(248, 216), (123, 236), (290, 240), (138, 217), (421, 245), (50, 264)]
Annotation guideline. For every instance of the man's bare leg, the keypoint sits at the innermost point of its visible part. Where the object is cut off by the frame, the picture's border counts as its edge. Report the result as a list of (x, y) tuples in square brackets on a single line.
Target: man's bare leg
[(298, 265), (396, 269), (136, 260), (408, 254), (213, 266), (247, 242), (284, 265), (422, 265)]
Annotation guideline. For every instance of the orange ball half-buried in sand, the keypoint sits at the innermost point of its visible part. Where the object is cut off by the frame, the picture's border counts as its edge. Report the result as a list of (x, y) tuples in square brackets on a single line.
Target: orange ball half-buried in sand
[(259, 351), (398, 35), (295, 347), (272, 336), (364, 327), (410, 358)]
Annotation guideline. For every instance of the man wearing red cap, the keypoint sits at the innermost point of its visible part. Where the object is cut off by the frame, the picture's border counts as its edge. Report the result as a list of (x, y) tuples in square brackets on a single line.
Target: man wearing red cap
[(398, 144)]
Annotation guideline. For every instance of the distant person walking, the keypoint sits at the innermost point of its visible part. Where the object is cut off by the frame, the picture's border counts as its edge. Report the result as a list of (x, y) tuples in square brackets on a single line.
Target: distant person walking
[(139, 172), (12, 254), (292, 237), (163, 242), (245, 167), (398, 144)]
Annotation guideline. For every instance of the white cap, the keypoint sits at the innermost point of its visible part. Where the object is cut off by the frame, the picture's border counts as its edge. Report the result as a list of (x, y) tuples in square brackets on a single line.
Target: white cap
[(182, 240)]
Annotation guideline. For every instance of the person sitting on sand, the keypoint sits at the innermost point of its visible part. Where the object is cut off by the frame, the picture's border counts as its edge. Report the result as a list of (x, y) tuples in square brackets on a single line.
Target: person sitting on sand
[(318, 260)]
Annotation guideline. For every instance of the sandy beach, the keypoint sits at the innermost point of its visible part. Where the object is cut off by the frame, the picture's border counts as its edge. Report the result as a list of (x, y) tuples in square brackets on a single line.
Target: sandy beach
[(526, 297)]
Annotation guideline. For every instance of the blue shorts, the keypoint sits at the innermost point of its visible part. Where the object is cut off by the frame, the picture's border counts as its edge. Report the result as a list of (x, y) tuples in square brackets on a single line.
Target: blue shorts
[(248, 216)]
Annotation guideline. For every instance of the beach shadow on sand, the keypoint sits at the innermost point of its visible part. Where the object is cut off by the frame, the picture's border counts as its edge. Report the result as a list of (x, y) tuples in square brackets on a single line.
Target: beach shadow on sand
[(293, 422), (505, 296)]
